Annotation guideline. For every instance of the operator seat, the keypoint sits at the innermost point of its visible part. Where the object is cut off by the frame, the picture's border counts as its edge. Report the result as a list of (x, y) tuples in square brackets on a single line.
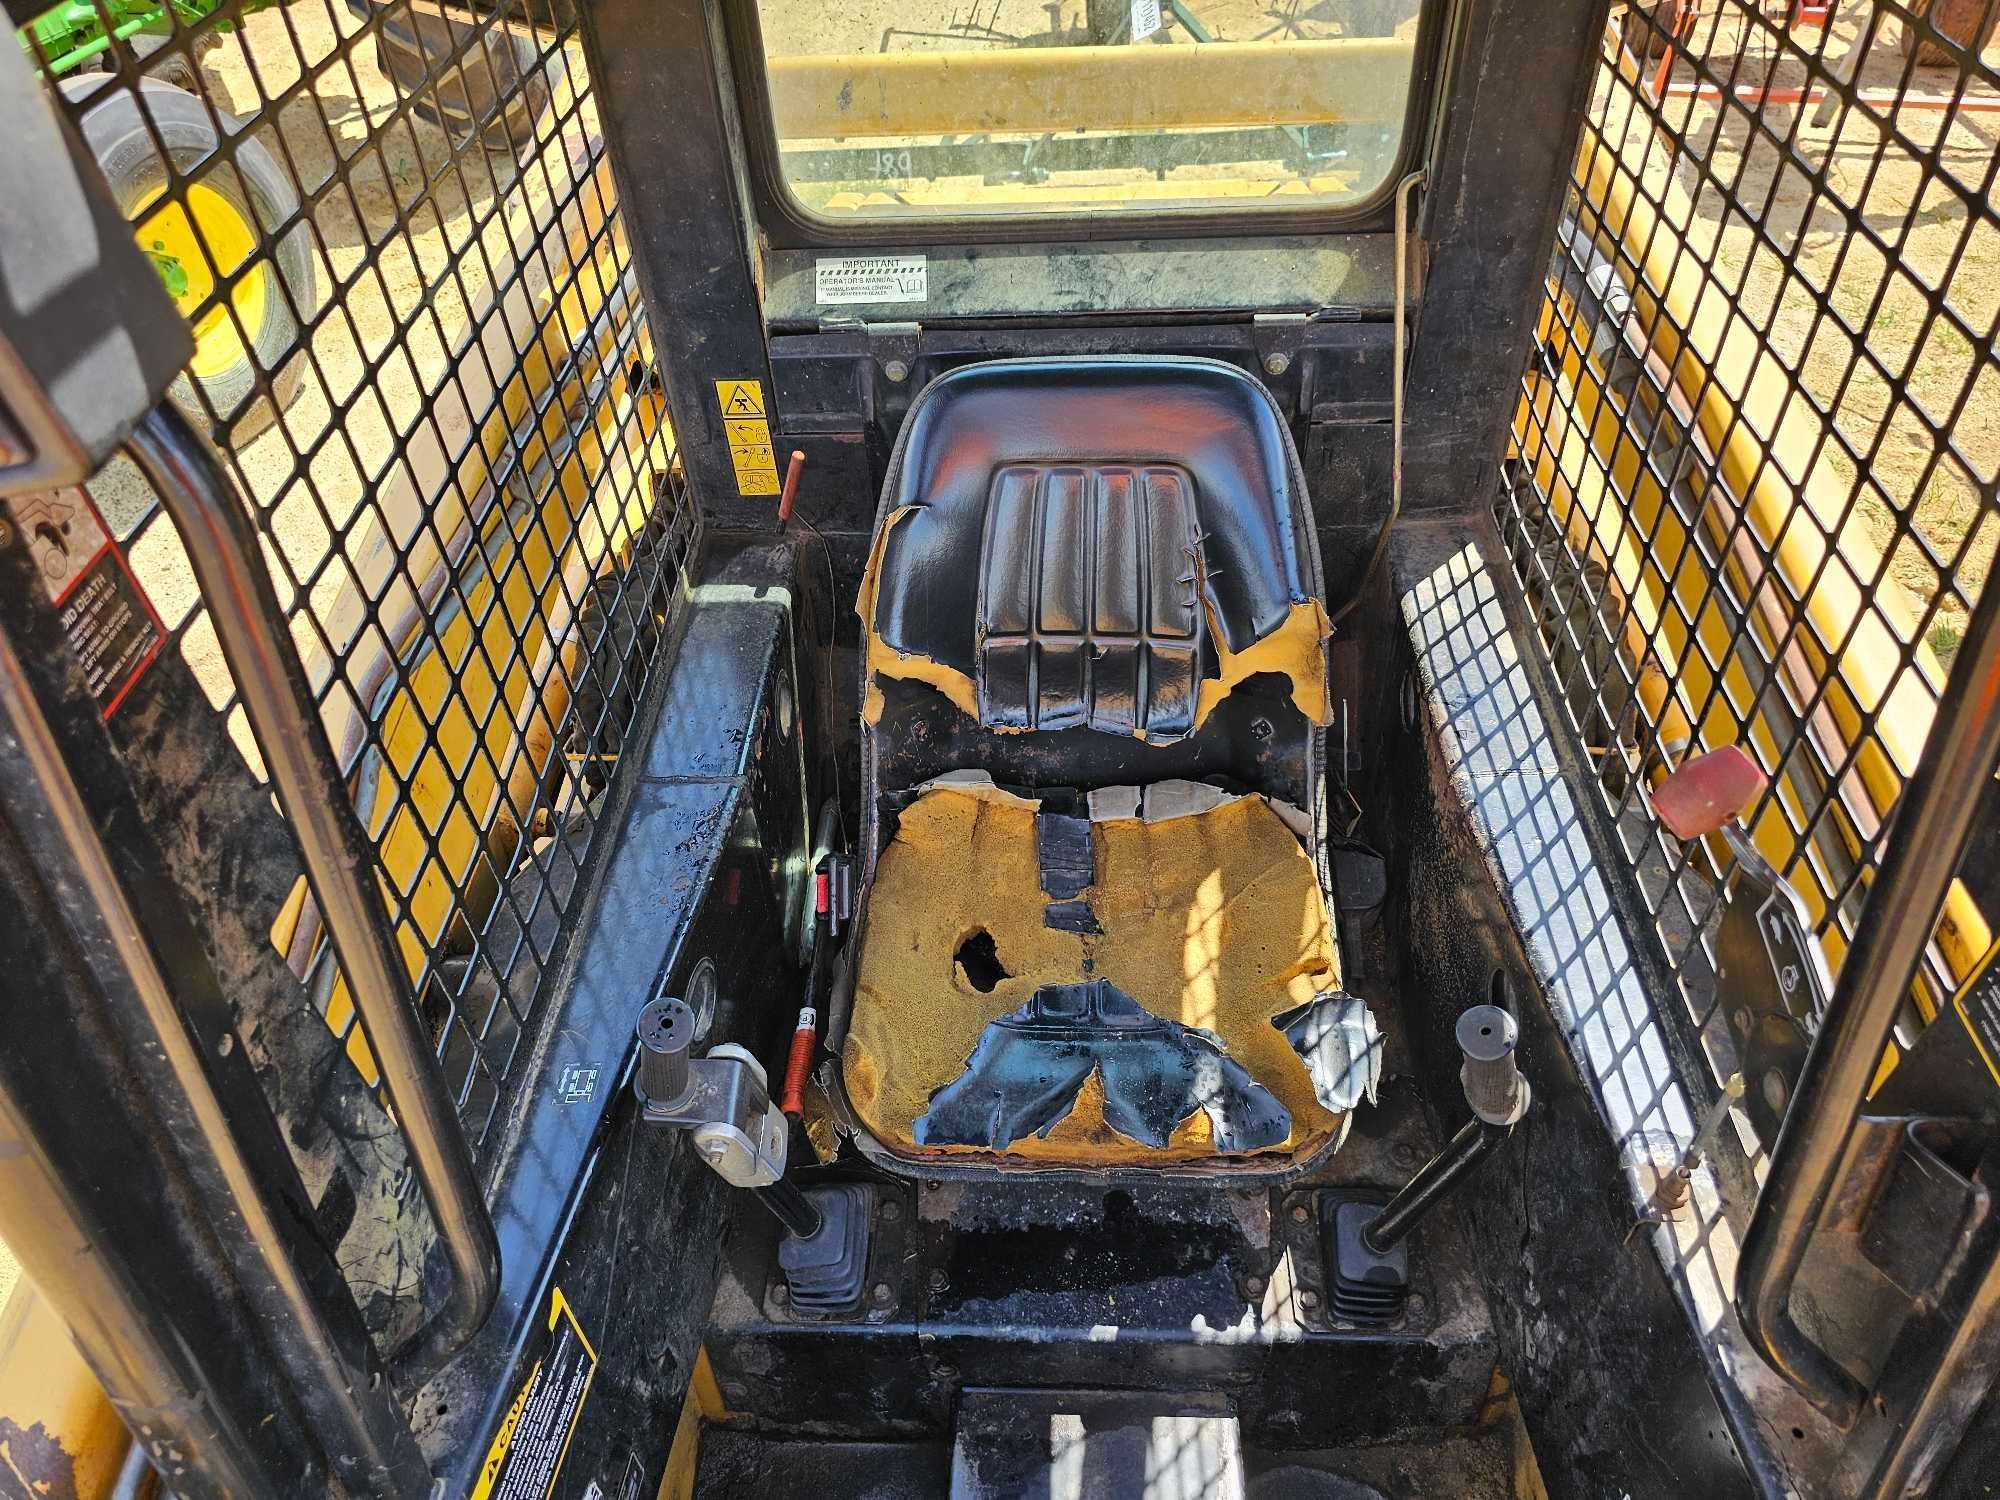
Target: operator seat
[(1093, 926)]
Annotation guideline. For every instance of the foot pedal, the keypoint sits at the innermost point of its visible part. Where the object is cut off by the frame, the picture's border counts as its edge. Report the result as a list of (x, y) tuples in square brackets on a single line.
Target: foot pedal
[(1366, 1288), (827, 1272)]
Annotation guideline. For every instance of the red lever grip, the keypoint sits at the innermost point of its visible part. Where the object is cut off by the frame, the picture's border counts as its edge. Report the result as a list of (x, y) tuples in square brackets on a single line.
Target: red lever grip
[(1705, 792), (790, 496), (798, 1065)]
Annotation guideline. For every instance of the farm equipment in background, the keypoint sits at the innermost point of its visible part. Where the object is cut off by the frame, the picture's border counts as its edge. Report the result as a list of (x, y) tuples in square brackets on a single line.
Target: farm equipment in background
[(245, 302)]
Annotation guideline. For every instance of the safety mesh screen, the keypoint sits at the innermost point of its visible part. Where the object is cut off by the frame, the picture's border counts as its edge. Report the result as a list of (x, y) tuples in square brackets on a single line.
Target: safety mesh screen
[(420, 345), (1751, 499)]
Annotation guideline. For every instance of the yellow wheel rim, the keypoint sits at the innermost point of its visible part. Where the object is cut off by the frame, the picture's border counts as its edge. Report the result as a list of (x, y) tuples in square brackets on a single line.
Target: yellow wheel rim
[(173, 236)]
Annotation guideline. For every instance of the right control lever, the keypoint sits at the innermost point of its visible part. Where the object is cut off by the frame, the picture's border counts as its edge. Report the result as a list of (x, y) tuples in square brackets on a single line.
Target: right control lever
[(1498, 1094), (1371, 1272)]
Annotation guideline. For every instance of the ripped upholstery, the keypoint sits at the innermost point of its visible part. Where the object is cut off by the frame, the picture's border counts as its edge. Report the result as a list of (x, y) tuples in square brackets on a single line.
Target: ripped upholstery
[(1209, 916), (1030, 1065), (1111, 544)]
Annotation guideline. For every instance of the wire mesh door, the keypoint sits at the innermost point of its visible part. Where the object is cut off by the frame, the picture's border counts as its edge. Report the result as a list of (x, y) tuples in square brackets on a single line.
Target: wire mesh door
[(1751, 498), (419, 342)]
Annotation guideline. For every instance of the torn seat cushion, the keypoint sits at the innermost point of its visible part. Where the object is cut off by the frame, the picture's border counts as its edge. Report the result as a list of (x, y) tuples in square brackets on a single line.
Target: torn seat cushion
[(1207, 926), (1101, 543)]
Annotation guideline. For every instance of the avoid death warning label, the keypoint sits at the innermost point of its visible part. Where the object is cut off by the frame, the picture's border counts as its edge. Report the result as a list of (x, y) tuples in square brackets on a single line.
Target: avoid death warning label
[(747, 424), (109, 621), (527, 1453)]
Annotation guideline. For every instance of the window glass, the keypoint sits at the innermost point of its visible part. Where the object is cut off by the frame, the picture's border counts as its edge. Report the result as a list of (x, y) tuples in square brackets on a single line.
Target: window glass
[(915, 109)]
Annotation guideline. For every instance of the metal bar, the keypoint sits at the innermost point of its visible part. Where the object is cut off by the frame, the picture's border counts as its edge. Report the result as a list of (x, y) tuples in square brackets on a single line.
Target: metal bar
[(337, 1383), (149, 1373), (1475, 1141), (221, 544), (1927, 840), (790, 1207), (1397, 356), (132, 1474), (1953, 1353), (693, 260), (1038, 89)]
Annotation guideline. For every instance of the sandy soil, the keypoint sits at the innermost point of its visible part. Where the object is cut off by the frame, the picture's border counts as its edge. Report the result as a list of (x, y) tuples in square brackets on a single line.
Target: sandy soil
[(1901, 379)]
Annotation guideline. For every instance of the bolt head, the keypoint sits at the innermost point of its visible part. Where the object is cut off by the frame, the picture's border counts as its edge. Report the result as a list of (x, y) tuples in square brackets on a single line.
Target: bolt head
[(937, 1281), (882, 1295), (896, 370), (1254, 1286), (1300, 1213), (891, 1212), (1308, 1299), (1777, 1093), (1276, 363), (780, 1292)]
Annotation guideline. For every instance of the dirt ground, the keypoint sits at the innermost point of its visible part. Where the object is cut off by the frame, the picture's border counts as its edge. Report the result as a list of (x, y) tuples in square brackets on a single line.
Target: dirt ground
[(1902, 380)]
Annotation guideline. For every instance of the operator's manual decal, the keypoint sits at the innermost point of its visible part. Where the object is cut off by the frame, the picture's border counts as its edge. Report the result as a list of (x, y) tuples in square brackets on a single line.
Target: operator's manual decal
[(527, 1453), (106, 615), (871, 278)]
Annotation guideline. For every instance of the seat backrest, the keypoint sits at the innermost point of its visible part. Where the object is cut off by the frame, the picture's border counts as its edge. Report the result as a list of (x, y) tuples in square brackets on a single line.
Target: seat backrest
[(1094, 571)]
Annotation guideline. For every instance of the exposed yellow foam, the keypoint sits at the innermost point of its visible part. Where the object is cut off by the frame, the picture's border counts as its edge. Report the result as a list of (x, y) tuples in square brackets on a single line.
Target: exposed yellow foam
[(1214, 920), (1297, 648)]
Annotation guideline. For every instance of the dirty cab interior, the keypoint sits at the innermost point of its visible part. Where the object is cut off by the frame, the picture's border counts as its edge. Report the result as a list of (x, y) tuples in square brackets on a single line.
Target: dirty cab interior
[(1081, 956)]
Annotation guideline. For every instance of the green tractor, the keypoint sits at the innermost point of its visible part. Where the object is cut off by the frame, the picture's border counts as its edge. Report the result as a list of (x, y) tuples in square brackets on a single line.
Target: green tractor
[(236, 257)]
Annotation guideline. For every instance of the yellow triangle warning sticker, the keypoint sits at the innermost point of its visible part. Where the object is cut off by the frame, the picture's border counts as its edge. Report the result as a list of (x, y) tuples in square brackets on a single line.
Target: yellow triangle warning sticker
[(740, 398)]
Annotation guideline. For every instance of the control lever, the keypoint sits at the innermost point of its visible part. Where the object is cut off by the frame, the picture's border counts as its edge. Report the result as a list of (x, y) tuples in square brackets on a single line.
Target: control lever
[(724, 1103), (833, 908), (1771, 974), (1371, 1272)]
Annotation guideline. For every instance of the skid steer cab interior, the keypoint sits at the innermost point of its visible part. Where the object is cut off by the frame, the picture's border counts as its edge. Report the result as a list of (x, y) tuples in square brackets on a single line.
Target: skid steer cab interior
[(1067, 750)]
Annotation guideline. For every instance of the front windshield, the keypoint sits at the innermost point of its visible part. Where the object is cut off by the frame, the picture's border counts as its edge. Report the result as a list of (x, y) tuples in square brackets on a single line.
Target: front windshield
[(903, 109)]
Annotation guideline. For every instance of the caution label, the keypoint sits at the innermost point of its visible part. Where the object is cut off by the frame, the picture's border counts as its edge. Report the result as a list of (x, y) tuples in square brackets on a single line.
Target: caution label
[(747, 425), (528, 1451), (106, 615), (1978, 1007)]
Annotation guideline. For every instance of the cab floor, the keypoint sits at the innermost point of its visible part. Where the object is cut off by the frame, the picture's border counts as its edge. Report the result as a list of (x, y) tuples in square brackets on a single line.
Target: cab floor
[(1468, 1465)]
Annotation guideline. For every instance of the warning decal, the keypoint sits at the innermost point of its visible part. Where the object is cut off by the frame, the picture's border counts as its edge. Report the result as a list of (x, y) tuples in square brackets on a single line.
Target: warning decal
[(107, 617), (527, 1452), (1979, 1008), (741, 398), (746, 424)]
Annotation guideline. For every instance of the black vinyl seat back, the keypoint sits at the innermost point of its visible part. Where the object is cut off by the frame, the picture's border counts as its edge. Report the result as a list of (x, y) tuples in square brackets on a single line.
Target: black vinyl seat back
[(1091, 572)]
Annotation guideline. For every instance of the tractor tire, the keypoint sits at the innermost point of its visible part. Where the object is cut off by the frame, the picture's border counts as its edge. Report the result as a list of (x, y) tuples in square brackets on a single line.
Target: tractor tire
[(260, 193), (465, 100)]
